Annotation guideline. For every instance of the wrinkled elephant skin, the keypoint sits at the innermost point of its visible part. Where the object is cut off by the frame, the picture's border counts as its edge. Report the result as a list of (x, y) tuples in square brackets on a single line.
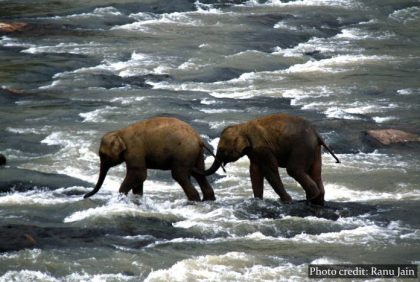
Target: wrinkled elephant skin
[(158, 143), (276, 141)]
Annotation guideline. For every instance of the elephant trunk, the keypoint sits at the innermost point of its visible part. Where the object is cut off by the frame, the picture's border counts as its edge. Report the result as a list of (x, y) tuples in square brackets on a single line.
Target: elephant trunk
[(214, 167), (102, 175)]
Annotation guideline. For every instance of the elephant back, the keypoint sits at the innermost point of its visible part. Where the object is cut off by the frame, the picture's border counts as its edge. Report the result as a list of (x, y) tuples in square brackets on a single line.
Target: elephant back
[(163, 138)]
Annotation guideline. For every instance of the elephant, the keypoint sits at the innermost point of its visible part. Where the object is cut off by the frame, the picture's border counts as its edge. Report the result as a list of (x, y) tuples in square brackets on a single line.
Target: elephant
[(273, 141), (164, 143)]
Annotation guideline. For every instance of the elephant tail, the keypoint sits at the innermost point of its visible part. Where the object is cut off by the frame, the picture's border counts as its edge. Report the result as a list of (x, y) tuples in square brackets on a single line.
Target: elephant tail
[(214, 156), (322, 142)]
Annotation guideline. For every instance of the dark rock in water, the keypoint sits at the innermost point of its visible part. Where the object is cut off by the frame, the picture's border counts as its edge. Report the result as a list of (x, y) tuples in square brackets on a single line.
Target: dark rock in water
[(17, 237), (109, 81), (138, 81), (14, 179), (349, 209), (392, 136), (155, 77), (317, 55), (214, 75), (156, 7), (254, 209), (2, 159), (13, 91), (303, 209), (14, 237)]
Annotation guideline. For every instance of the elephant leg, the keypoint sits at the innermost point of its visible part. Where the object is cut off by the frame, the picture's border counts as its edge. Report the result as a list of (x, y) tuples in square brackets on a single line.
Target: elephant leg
[(208, 193), (271, 172), (141, 176), (316, 176), (273, 177), (309, 185), (182, 176), (257, 180), (129, 182)]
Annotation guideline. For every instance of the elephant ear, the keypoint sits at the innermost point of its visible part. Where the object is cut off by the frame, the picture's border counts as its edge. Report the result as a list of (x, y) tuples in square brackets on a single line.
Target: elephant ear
[(234, 137), (243, 143), (115, 144), (118, 145), (259, 137)]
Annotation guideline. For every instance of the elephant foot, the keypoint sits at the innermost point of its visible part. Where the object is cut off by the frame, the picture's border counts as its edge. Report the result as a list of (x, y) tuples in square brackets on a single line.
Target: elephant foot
[(194, 198), (286, 199), (314, 205), (317, 201)]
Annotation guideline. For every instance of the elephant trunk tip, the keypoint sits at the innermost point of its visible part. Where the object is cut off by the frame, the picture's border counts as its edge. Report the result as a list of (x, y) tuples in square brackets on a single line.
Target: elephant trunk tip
[(87, 195), (102, 175), (215, 166), (91, 193)]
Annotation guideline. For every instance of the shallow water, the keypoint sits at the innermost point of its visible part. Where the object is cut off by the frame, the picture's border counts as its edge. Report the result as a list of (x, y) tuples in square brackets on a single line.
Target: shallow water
[(83, 68)]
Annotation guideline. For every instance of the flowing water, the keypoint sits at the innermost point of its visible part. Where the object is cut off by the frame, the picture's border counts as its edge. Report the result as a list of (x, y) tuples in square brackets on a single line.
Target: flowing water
[(82, 68)]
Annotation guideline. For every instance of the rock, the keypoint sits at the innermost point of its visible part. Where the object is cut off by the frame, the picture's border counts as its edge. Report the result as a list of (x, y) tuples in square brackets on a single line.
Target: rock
[(12, 239), (392, 136), (15, 237), (14, 179), (18, 237), (13, 91), (268, 208), (12, 27), (2, 159)]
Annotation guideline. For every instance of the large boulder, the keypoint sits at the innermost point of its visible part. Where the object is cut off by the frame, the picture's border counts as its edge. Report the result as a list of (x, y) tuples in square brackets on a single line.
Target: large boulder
[(15, 179), (12, 27), (392, 136), (15, 237)]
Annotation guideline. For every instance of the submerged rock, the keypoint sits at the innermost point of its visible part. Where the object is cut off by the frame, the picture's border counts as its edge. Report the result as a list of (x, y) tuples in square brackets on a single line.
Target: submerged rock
[(17, 237), (392, 136), (14, 237), (15, 179), (12, 27), (13, 91), (267, 208)]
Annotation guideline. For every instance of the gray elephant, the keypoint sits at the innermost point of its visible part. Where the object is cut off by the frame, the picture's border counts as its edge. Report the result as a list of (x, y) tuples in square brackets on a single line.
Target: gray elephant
[(158, 143), (274, 141)]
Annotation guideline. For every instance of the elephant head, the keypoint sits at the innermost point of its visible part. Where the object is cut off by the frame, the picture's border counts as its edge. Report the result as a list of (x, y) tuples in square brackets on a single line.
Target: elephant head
[(111, 154), (232, 145)]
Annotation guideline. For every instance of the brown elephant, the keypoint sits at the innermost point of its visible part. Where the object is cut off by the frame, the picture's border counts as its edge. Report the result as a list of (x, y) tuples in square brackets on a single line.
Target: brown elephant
[(158, 143), (274, 141)]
